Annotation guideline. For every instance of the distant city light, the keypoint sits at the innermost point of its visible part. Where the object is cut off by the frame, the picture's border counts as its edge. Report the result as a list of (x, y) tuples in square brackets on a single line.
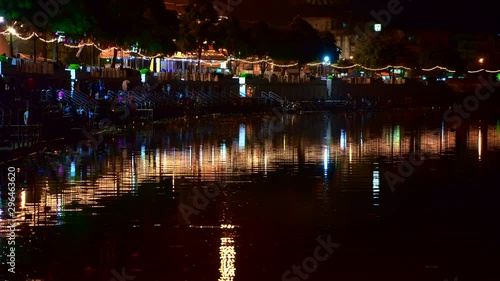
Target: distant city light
[(2, 19), (326, 59), (481, 60), (12, 31)]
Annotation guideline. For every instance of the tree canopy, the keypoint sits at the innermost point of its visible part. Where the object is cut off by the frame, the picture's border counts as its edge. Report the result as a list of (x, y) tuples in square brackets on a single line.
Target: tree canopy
[(160, 28), (386, 48), (198, 28), (16, 9)]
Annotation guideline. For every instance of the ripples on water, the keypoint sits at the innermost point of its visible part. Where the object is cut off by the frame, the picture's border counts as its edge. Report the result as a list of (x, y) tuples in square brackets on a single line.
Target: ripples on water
[(280, 187)]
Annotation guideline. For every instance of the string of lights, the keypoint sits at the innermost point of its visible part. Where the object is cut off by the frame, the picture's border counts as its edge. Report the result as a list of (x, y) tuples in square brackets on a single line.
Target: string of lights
[(485, 70), (11, 30), (256, 61), (438, 67)]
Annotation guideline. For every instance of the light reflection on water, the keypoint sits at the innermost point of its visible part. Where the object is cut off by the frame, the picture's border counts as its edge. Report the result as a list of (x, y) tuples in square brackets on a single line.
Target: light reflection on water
[(350, 149)]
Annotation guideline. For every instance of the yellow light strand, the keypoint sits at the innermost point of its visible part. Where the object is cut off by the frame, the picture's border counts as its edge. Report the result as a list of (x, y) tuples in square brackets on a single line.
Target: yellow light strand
[(11, 30), (249, 61), (284, 65), (485, 70), (438, 67), (7, 32)]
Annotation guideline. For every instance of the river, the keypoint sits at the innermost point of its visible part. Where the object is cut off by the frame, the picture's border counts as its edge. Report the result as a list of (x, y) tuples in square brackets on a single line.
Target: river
[(312, 196)]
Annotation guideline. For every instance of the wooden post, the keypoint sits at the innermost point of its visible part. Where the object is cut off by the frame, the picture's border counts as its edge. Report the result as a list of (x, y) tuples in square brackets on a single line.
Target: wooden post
[(34, 48)]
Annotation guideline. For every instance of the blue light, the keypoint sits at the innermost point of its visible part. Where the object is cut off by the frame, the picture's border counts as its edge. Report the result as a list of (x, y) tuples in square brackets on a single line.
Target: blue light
[(326, 59), (223, 151), (326, 160), (242, 136), (343, 141), (73, 170)]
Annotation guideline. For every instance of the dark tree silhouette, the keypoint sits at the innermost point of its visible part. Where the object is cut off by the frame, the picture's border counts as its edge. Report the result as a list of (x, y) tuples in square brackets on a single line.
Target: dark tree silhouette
[(233, 39), (160, 28), (116, 24), (198, 28), (261, 43)]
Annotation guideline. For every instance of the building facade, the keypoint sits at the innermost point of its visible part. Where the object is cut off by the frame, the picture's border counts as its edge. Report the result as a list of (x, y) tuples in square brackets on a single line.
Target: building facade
[(345, 39)]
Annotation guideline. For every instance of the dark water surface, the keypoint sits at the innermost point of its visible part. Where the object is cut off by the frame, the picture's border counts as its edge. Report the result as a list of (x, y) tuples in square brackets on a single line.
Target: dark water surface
[(276, 189)]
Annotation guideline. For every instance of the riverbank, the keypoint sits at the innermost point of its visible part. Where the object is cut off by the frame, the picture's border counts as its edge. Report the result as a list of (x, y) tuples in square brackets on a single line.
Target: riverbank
[(66, 114)]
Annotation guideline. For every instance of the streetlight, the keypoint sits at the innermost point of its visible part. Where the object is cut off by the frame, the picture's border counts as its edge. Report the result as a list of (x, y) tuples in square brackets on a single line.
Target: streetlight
[(481, 60), (11, 31), (326, 61)]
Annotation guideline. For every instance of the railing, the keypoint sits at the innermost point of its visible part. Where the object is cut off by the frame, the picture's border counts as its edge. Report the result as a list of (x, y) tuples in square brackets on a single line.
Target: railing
[(172, 76), (145, 114), (102, 72), (367, 80), (4, 107), (275, 97), (29, 66), (27, 136)]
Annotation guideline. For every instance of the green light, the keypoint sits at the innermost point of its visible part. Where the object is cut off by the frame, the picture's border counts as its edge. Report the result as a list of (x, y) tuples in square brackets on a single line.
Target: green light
[(498, 76), (396, 134), (498, 125)]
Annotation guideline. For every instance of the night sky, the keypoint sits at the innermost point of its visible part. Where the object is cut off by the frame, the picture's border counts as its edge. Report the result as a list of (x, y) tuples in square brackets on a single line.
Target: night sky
[(475, 16)]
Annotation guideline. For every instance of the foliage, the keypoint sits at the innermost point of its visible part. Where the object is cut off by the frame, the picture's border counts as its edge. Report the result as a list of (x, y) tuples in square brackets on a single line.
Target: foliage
[(345, 62), (246, 75), (116, 23), (260, 39), (261, 43), (160, 28), (307, 43), (16, 9), (386, 48), (74, 66), (72, 19), (232, 37), (329, 46), (197, 28), (443, 55), (234, 40), (282, 44)]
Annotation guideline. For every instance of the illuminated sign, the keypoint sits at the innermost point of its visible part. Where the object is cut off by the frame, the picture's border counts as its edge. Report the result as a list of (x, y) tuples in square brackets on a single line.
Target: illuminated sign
[(377, 27)]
